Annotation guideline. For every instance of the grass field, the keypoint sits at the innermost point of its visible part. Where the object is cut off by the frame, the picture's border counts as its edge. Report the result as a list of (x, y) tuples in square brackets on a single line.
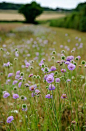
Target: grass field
[(14, 15), (42, 78)]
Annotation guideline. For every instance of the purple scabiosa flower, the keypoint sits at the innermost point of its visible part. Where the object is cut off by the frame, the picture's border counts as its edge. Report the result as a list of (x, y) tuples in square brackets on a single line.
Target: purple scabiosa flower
[(79, 57), (71, 66), (14, 82), (68, 80), (51, 87), (57, 80), (63, 70), (45, 77), (48, 96), (67, 62), (32, 88), (53, 68), (69, 58), (15, 96), (10, 119), (19, 85), (37, 92), (18, 72), (30, 75), (24, 109), (50, 79), (27, 64), (26, 85), (63, 96), (10, 74), (6, 94), (17, 76)]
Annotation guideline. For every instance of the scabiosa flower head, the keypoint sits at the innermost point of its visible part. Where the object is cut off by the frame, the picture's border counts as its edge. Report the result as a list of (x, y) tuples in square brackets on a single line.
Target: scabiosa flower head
[(20, 83), (6, 94), (10, 119), (14, 82), (73, 122), (68, 80), (33, 94), (15, 96), (79, 57), (57, 80), (53, 68), (30, 75), (63, 70), (10, 74), (63, 96), (67, 62), (26, 85), (51, 87), (45, 77), (48, 96), (18, 72), (17, 76), (32, 88), (50, 79), (23, 98), (37, 92), (69, 58), (71, 66)]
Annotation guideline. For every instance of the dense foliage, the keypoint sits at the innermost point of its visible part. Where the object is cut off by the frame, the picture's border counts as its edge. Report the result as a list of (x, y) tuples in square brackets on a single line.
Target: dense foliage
[(76, 20), (31, 11)]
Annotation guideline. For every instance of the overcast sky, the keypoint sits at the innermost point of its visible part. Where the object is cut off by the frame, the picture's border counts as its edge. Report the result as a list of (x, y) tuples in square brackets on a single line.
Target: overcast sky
[(51, 3)]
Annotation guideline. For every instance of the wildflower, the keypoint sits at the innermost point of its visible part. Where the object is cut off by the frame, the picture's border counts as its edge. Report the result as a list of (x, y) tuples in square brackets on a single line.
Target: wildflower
[(15, 96), (37, 91), (68, 80), (71, 66), (10, 119), (32, 88), (63, 70), (30, 75), (18, 72), (53, 68), (57, 80), (20, 83), (24, 107), (10, 74), (51, 87), (6, 94), (73, 122), (48, 96), (14, 82), (50, 79), (63, 96)]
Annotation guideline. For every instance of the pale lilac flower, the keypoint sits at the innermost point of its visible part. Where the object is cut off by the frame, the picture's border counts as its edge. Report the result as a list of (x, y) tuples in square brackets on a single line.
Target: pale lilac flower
[(71, 66), (63, 96), (10, 74), (6, 94), (30, 75), (53, 68), (48, 96), (37, 91), (50, 79), (57, 80), (68, 80), (51, 87), (10, 119), (32, 88), (63, 70), (20, 83), (18, 72), (15, 96), (14, 82)]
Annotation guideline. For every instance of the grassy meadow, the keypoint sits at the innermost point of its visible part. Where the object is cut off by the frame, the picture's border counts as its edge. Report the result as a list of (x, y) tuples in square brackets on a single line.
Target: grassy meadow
[(42, 78)]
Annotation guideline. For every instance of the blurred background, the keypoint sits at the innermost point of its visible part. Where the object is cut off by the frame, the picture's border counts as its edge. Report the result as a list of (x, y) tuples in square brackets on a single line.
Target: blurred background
[(68, 14)]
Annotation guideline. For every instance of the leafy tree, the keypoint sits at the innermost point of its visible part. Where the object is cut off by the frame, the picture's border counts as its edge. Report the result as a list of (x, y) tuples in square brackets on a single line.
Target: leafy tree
[(31, 11)]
